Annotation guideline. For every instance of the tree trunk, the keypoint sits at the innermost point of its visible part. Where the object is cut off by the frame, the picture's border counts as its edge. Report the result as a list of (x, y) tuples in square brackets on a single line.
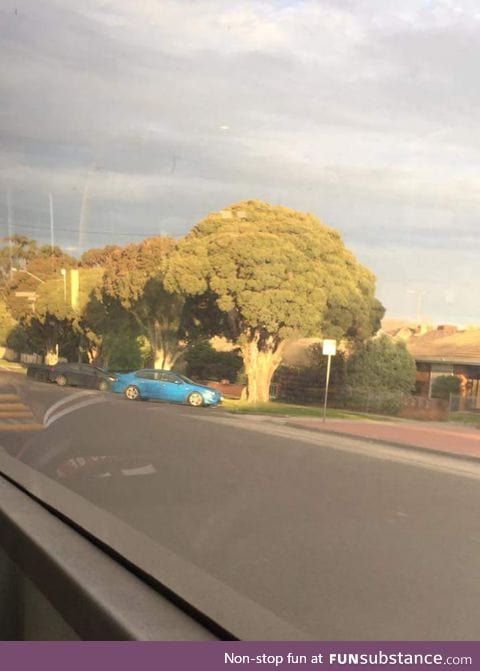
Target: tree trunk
[(166, 359), (161, 359), (260, 365), (51, 357), (94, 353), (165, 351)]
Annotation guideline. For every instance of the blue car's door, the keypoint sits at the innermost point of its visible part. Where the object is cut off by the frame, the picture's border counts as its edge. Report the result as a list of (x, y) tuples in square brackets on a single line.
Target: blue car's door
[(169, 387), (145, 381)]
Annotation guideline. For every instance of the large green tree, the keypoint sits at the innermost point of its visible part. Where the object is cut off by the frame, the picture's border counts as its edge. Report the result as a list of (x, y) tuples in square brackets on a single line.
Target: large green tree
[(273, 273), (34, 295), (15, 252), (98, 257), (53, 316), (135, 277)]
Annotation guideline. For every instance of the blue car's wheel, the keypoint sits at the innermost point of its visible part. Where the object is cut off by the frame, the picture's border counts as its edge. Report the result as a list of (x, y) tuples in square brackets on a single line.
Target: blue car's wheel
[(132, 392), (195, 399)]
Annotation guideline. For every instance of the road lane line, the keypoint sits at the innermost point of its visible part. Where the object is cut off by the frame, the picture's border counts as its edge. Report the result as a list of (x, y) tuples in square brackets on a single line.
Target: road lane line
[(65, 401), (74, 408)]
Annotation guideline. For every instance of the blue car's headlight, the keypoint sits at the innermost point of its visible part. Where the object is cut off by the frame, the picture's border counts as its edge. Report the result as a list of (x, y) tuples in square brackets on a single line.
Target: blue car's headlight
[(211, 395)]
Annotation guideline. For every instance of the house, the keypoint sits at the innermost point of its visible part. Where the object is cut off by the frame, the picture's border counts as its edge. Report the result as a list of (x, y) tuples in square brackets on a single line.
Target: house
[(447, 350)]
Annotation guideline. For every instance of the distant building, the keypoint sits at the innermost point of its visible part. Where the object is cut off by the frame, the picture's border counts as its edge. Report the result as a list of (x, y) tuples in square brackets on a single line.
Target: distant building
[(446, 350)]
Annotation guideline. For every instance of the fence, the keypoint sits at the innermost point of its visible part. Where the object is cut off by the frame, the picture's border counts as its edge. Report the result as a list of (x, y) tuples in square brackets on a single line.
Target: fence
[(381, 402), (464, 404), (31, 358), (348, 398)]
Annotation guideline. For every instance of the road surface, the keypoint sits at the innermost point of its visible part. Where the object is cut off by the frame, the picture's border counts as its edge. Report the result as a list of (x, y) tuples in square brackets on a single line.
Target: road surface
[(343, 540)]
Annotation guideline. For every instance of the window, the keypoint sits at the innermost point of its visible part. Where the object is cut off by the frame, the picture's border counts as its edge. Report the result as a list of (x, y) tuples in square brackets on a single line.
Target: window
[(146, 375), (167, 377)]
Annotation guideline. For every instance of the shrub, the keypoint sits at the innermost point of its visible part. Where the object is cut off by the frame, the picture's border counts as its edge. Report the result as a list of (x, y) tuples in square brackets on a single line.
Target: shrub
[(379, 374), (444, 385), (205, 363)]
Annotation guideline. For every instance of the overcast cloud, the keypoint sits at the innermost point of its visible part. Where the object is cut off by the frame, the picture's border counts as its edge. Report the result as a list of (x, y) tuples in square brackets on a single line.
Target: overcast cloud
[(141, 116)]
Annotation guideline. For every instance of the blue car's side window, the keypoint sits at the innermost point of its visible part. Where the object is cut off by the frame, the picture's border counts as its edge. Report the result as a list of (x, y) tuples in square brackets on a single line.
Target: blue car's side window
[(165, 376), (146, 375)]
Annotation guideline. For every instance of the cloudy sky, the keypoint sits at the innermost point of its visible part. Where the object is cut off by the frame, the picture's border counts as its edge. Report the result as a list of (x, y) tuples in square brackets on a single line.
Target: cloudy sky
[(141, 116)]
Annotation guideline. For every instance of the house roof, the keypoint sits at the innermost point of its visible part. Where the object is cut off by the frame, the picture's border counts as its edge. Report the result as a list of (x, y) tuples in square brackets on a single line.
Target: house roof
[(445, 347)]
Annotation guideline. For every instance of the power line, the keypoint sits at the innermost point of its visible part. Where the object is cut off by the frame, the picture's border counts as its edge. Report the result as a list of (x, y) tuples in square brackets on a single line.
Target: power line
[(89, 232)]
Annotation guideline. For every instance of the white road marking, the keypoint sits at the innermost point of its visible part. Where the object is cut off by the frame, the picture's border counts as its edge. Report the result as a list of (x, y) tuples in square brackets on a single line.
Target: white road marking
[(65, 401), (141, 470), (73, 408)]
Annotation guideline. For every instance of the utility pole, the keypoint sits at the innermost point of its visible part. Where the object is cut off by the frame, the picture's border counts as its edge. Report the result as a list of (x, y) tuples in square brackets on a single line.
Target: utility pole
[(74, 287), (52, 229), (63, 273), (9, 221)]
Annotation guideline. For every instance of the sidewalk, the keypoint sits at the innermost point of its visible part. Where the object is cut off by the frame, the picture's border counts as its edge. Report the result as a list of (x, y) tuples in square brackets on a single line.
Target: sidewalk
[(455, 440)]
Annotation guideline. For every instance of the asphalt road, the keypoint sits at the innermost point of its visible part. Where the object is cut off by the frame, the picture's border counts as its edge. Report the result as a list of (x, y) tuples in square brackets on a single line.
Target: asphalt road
[(344, 541)]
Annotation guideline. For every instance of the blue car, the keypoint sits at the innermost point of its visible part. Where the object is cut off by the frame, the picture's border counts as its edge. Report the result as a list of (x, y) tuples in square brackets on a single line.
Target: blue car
[(164, 385)]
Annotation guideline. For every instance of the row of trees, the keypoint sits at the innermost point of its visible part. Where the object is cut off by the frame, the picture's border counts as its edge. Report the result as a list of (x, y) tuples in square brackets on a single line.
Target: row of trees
[(256, 274)]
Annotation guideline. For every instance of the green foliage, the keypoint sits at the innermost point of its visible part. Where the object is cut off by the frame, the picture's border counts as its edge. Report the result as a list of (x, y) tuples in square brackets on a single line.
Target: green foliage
[(378, 375), (122, 352), (98, 257), (7, 323), (15, 252), (273, 273), (318, 363), (382, 363), (134, 276), (41, 337), (40, 276), (205, 363), (444, 385), (276, 272), (307, 384)]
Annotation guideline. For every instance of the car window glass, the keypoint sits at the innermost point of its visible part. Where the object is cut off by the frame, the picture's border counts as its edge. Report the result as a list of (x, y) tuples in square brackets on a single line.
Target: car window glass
[(166, 377), (146, 374)]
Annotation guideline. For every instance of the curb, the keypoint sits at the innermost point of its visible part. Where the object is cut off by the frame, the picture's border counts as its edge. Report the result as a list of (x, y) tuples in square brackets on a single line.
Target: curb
[(392, 443)]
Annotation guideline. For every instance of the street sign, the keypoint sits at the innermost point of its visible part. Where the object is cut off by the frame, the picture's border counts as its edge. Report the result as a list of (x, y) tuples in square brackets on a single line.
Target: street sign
[(329, 347)]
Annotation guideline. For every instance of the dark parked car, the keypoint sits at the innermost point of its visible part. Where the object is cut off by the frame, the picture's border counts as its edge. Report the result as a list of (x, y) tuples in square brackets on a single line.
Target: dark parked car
[(75, 374)]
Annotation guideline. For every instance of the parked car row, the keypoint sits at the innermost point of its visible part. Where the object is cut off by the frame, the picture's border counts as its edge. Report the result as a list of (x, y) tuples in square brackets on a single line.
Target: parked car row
[(145, 384)]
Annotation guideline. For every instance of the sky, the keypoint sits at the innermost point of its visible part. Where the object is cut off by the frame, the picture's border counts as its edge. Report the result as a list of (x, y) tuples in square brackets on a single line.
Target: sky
[(139, 117)]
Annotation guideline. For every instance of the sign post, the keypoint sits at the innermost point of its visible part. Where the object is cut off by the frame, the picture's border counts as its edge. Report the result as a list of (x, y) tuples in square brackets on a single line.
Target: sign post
[(329, 349)]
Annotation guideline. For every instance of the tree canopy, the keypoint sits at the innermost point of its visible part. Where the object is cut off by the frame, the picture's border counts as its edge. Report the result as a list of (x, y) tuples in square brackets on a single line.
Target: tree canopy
[(275, 273), (134, 276)]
